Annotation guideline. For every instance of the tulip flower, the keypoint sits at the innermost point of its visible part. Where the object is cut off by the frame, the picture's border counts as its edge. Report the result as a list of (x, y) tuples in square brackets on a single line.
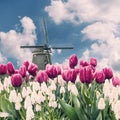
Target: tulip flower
[(83, 63), (3, 69), (69, 75), (58, 69), (93, 62), (26, 63), (73, 60), (10, 68), (100, 77), (51, 71), (22, 70), (16, 80), (115, 81), (41, 76), (86, 75), (108, 73), (32, 69)]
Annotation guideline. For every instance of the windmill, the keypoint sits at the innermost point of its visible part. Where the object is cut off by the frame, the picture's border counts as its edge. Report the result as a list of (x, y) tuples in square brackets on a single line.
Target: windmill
[(41, 53)]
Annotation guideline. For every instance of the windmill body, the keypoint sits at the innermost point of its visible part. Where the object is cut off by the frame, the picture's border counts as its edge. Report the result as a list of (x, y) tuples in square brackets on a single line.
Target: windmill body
[(41, 57)]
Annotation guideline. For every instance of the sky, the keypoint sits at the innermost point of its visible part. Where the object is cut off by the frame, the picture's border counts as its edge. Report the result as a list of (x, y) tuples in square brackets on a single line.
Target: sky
[(92, 27)]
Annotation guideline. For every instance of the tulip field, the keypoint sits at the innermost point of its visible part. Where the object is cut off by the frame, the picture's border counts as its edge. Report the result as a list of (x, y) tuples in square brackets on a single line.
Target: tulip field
[(76, 91)]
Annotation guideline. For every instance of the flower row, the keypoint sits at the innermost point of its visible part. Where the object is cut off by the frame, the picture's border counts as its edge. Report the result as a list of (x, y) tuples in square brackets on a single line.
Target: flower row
[(85, 70)]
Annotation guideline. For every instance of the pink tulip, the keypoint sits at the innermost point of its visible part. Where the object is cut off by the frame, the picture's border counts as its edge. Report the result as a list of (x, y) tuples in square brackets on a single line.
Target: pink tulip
[(83, 63), (32, 69), (16, 80), (3, 69), (73, 60), (86, 75), (93, 62), (26, 63), (58, 69), (69, 75), (100, 77), (22, 70), (10, 68), (51, 71), (41, 76), (115, 81), (108, 73)]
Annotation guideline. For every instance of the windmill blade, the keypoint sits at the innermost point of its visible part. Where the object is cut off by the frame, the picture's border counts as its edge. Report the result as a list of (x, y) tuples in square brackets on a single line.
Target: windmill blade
[(46, 41), (45, 32), (62, 47), (31, 46)]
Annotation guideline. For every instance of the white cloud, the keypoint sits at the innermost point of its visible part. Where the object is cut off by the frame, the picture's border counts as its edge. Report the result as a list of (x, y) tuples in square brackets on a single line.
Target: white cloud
[(84, 10), (11, 41), (61, 13), (106, 43), (2, 59), (103, 29)]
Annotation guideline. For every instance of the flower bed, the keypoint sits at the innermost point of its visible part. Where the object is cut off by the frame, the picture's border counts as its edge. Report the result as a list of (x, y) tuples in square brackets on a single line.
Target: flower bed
[(77, 91)]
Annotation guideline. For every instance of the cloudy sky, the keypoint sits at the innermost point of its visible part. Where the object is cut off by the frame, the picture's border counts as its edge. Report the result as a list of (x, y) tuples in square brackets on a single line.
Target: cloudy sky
[(92, 27)]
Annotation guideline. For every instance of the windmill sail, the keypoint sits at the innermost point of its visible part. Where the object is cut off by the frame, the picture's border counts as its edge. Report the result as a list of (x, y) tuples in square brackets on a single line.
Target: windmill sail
[(41, 53)]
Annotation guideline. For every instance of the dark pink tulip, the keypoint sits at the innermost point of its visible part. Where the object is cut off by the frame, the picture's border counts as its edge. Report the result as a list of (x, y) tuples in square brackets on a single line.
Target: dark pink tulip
[(73, 60), (100, 77), (69, 75), (83, 63), (41, 76), (58, 69), (51, 71), (16, 80), (26, 63), (108, 73), (32, 69), (115, 81), (3, 69), (10, 68), (93, 62), (86, 74), (22, 70)]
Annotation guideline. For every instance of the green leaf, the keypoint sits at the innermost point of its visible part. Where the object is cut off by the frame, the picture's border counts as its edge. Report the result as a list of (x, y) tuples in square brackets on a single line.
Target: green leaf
[(77, 107), (96, 115), (7, 106), (68, 110)]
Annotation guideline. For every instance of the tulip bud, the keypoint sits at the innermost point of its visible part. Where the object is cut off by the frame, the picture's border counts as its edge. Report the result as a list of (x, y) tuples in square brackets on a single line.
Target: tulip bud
[(58, 69), (51, 71), (69, 75), (10, 68), (115, 81), (100, 77), (108, 73), (83, 63), (26, 63), (93, 62), (32, 69), (73, 60), (3, 69), (86, 74), (22, 70), (16, 80), (42, 76)]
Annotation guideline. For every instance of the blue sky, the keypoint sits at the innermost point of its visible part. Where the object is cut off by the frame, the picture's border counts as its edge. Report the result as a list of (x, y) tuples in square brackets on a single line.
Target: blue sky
[(91, 27)]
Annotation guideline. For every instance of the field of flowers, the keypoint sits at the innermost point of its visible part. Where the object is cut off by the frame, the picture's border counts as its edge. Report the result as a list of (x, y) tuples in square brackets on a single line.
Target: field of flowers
[(77, 91)]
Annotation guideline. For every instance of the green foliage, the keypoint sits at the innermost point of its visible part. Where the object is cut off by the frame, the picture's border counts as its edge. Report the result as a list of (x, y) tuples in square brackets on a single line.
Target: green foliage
[(85, 105), (8, 107)]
